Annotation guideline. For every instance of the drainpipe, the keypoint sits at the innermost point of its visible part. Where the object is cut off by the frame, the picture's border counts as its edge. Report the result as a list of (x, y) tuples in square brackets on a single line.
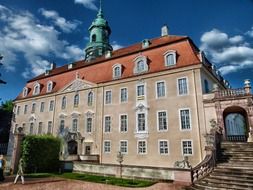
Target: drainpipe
[(197, 112), (102, 128)]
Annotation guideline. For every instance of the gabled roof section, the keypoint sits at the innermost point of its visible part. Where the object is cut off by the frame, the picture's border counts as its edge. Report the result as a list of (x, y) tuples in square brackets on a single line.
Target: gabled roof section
[(76, 85)]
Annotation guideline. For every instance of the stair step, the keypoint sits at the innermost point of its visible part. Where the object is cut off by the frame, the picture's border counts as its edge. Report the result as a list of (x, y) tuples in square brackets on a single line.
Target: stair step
[(232, 176), (231, 179), (233, 170), (238, 165), (204, 187)]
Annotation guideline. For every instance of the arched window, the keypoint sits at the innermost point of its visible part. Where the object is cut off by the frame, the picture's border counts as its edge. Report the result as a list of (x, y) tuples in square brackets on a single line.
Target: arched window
[(36, 89), (94, 38), (90, 98), (141, 65), (25, 92), (74, 125), (76, 100), (117, 71), (170, 58), (49, 86), (31, 128), (63, 103)]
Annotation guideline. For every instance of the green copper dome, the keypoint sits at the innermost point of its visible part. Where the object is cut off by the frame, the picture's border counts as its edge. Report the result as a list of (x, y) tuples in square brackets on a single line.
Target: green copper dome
[(99, 37)]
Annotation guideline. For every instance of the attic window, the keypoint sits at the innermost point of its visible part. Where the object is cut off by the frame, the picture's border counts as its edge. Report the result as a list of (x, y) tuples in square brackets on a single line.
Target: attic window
[(170, 58), (141, 65), (25, 92), (49, 86), (145, 43), (117, 71), (36, 88)]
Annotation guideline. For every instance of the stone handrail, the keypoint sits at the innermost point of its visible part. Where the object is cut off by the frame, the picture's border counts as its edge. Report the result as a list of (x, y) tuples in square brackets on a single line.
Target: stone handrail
[(230, 93), (209, 162)]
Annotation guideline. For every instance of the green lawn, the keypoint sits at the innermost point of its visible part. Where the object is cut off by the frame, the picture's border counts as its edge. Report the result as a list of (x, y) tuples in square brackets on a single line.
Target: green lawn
[(96, 179)]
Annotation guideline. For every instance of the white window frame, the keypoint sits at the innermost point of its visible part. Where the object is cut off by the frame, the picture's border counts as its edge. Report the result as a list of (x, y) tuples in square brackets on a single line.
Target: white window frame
[(167, 53), (35, 87), (73, 126), (31, 128), (76, 100), (114, 67), (25, 109), (18, 110), (51, 127), (42, 106), (156, 87), (33, 107), (182, 148), (110, 147), (126, 141), (40, 128), (91, 126), (137, 122), (90, 98), (146, 147), (157, 120), (51, 105), (110, 124), (190, 119), (159, 147), (62, 127), (25, 91), (141, 97), (105, 98), (126, 123), (187, 83), (137, 60), (49, 84), (63, 102), (120, 95)]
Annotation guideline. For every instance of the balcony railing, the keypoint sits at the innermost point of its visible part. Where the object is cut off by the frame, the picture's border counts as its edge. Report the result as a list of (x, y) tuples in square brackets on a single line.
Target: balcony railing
[(230, 93)]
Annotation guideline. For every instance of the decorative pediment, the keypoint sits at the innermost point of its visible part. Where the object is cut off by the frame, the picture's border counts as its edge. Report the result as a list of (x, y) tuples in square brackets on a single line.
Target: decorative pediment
[(32, 118), (141, 107), (62, 115), (76, 85), (75, 114), (73, 136), (89, 114)]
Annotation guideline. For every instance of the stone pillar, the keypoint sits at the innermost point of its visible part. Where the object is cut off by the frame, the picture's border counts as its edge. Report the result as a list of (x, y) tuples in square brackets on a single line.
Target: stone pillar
[(247, 86), (18, 137)]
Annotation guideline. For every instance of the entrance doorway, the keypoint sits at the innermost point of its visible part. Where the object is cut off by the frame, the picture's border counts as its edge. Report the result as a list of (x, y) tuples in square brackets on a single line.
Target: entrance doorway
[(72, 147), (236, 124)]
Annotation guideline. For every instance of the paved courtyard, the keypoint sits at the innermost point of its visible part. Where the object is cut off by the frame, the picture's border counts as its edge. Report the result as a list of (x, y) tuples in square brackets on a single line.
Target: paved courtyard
[(63, 184)]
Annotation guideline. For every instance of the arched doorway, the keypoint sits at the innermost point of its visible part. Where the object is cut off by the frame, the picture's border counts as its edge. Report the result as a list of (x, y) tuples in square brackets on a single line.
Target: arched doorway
[(236, 124), (72, 147)]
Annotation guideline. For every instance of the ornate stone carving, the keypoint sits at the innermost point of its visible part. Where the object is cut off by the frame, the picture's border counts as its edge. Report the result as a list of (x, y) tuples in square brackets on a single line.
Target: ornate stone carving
[(75, 114), (77, 85), (89, 114), (62, 115), (141, 107), (183, 164)]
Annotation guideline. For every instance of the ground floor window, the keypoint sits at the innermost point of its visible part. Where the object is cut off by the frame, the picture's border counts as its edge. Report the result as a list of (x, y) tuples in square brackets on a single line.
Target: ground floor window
[(163, 147), (123, 147), (107, 146), (187, 147), (142, 147)]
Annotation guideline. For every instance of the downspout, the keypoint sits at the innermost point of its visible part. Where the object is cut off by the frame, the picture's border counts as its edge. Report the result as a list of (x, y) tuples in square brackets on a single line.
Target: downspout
[(197, 112), (102, 128)]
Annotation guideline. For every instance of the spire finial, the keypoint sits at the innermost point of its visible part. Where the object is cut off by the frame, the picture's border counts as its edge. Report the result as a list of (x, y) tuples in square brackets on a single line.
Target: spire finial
[(100, 11)]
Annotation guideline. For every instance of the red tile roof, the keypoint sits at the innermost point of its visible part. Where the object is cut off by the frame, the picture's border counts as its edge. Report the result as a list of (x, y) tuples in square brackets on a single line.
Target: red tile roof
[(100, 69)]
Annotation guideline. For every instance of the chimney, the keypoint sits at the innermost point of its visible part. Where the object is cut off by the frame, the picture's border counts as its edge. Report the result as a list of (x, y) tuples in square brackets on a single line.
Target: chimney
[(52, 66), (165, 31)]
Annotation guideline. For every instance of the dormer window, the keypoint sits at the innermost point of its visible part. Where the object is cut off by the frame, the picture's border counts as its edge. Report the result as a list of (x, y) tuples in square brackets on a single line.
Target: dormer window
[(141, 65), (117, 71), (36, 89), (25, 92), (49, 86), (170, 58)]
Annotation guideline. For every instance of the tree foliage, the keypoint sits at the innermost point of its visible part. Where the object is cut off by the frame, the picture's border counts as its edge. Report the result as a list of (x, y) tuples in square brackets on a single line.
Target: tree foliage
[(41, 153), (7, 106)]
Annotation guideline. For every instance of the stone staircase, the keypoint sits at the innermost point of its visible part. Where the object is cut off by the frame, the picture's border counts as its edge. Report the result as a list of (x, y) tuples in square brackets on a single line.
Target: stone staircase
[(234, 169)]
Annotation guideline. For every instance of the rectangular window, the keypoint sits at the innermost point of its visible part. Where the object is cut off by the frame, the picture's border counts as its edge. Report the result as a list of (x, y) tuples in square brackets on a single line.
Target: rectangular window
[(123, 123), (162, 121), (42, 105), (40, 128), (31, 128), (33, 107), (141, 122), (185, 120), (142, 147), (182, 86), (107, 146), (89, 125), (163, 147), (123, 147), (25, 109), (187, 147), (160, 89), (51, 105), (123, 95), (108, 97), (18, 110), (107, 124), (49, 127), (140, 90)]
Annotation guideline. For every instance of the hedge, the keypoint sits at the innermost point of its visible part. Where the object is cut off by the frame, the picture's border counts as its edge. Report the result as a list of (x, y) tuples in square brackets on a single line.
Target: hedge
[(41, 153)]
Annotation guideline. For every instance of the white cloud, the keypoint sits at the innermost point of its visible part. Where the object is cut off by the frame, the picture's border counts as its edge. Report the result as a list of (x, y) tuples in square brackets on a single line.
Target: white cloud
[(230, 54), (23, 34), (116, 45), (90, 4), (250, 32), (62, 23)]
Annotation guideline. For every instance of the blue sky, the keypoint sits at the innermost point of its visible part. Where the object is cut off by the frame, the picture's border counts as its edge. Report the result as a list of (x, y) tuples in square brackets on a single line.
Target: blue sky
[(34, 33)]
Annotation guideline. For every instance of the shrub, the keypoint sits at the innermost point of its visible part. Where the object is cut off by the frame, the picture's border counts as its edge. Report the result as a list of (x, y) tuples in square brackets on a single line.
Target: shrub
[(41, 153)]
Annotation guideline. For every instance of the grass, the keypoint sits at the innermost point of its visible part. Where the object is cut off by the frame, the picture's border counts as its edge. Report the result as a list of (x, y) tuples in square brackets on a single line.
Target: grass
[(96, 179)]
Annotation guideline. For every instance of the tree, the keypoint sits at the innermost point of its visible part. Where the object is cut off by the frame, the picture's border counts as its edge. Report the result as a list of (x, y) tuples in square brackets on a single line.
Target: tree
[(5, 120), (7, 106)]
